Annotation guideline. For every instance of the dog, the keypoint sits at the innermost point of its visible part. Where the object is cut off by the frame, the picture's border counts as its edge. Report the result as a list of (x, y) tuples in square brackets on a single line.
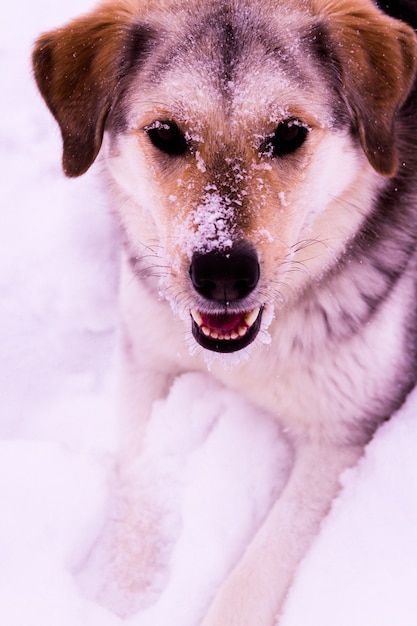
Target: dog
[(260, 158)]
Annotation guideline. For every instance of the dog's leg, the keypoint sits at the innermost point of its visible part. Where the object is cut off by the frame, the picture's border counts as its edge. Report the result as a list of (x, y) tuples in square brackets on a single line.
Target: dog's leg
[(255, 591), (126, 567)]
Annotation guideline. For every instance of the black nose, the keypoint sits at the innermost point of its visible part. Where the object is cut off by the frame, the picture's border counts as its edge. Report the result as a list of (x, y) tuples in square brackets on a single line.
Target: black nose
[(225, 276)]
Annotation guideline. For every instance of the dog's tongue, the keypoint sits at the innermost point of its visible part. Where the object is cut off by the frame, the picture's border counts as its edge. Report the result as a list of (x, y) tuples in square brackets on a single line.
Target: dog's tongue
[(224, 322)]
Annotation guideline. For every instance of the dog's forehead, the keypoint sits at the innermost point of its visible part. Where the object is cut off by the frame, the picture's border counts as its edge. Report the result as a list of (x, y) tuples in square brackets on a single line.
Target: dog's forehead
[(233, 64)]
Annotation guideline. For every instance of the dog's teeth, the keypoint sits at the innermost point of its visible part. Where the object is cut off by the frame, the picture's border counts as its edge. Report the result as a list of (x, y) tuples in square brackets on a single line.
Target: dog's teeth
[(250, 318), (219, 335), (197, 317)]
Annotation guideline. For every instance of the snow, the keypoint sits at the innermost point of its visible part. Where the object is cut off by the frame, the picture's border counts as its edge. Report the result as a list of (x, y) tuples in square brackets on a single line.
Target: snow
[(213, 219), (213, 461)]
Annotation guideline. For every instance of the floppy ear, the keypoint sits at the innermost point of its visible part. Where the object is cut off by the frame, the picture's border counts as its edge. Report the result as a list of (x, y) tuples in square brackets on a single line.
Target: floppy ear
[(79, 71), (377, 58)]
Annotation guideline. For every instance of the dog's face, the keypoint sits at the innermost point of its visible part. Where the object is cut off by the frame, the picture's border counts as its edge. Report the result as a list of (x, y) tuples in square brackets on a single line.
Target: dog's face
[(244, 140)]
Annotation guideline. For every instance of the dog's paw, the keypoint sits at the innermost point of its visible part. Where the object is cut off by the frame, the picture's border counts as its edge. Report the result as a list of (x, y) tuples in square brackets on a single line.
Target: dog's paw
[(127, 566)]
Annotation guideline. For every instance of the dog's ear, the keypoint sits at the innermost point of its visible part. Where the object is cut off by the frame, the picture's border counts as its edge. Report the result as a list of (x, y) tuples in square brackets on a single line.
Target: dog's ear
[(377, 59), (79, 71)]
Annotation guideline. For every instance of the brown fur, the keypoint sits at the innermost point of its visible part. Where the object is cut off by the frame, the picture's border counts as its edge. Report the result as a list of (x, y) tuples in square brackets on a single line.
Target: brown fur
[(80, 71), (377, 57)]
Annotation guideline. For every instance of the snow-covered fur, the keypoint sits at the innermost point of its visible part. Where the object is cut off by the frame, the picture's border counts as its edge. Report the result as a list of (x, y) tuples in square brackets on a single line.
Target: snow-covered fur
[(261, 162)]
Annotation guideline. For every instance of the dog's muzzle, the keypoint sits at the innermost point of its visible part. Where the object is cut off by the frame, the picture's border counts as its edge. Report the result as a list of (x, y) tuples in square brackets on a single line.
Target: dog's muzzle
[(225, 279)]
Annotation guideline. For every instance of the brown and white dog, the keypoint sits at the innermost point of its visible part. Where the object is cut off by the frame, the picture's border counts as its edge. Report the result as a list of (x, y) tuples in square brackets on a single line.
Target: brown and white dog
[(262, 164)]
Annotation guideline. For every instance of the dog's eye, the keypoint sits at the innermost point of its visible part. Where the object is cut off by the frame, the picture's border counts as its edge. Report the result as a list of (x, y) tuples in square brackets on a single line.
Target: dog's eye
[(288, 137), (167, 137)]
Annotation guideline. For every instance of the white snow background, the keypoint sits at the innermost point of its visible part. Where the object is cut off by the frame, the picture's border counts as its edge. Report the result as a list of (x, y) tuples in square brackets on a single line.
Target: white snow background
[(220, 462)]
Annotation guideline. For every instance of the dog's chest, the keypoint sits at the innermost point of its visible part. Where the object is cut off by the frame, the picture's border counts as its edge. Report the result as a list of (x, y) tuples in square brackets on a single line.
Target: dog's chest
[(339, 384)]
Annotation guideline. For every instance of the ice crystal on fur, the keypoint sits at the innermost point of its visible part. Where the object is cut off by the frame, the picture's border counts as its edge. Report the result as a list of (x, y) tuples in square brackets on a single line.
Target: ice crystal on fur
[(200, 162), (283, 199)]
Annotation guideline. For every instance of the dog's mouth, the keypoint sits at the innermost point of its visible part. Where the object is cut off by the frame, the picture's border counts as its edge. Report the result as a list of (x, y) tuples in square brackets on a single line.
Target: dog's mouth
[(226, 332)]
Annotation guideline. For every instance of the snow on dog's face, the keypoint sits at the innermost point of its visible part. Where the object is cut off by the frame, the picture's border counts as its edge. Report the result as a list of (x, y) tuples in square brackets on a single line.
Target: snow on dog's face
[(243, 144)]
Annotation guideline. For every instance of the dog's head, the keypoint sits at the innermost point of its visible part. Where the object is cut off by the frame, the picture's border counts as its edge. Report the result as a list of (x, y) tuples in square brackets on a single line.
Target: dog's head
[(243, 139)]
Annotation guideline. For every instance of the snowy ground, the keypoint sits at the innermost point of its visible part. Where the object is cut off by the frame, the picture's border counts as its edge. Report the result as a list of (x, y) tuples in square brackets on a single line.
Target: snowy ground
[(219, 461)]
